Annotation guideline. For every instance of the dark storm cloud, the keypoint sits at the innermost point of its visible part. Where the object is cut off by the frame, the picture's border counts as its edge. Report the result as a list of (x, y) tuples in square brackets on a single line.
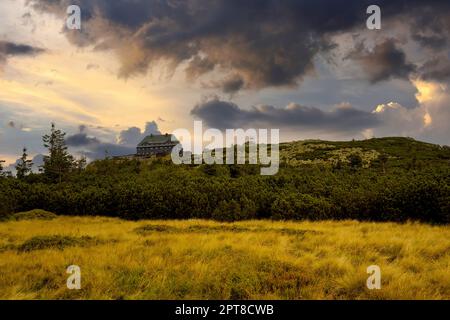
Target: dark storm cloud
[(81, 140), (222, 115), (94, 148), (437, 68), (265, 42), (14, 49), (383, 62), (198, 66), (232, 84), (431, 27), (132, 136), (432, 41), (229, 85), (103, 150), (10, 49)]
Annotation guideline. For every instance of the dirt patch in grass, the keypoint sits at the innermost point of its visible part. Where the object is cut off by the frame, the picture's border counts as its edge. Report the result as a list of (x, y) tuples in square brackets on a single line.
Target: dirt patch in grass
[(57, 242)]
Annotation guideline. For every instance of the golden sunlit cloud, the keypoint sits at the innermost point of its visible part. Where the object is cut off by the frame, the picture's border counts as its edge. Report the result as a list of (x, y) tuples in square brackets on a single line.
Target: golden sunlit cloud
[(427, 120), (427, 91)]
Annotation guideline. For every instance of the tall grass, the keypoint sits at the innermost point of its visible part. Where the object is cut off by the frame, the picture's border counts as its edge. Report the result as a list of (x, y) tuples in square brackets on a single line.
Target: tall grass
[(198, 259)]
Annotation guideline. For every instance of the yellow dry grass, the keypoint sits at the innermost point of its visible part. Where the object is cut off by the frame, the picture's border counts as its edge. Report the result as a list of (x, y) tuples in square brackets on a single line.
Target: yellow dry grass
[(199, 259)]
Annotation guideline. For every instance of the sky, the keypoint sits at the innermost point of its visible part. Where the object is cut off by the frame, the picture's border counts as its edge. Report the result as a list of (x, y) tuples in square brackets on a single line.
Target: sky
[(309, 68)]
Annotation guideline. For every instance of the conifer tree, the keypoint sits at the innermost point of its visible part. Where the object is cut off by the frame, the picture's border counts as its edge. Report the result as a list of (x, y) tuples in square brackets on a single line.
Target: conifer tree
[(59, 162), (24, 165), (2, 172), (80, 164), (1, 167)]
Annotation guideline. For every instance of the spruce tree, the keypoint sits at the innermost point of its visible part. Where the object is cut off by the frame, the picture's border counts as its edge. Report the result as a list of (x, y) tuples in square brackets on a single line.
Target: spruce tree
[(24, 165), (4, 173), (59, 162), (80, 164), (1, 167)]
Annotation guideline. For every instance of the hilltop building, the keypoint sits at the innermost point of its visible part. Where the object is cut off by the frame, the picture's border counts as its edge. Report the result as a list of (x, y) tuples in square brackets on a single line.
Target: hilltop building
[(156, 145)]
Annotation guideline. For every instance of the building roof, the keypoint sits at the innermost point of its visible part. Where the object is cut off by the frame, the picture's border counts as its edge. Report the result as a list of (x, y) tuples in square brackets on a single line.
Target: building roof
[(158, 139)]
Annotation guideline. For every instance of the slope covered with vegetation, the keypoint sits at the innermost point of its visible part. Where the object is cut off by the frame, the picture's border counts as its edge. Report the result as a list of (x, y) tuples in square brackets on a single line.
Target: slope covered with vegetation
[(387, 179)]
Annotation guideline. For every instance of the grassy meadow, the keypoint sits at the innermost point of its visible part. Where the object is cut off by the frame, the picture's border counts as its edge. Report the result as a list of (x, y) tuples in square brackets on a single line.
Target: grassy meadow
[(202, 259)]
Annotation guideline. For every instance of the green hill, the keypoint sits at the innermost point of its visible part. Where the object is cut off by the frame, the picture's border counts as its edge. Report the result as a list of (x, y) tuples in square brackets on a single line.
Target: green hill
[(398, 151)]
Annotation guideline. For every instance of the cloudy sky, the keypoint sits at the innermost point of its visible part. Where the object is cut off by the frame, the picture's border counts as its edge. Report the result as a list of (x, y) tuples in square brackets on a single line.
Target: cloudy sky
[(310, 68)]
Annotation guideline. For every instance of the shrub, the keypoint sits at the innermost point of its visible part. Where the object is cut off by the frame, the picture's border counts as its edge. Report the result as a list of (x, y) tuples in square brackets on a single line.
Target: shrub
[(301, 206), (36, 214), (55, 242), (233, 210), (160, 190)]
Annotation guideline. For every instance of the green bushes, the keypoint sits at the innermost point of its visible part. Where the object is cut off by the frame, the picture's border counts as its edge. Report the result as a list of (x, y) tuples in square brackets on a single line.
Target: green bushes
[(56, 242), (6, 207), (300, 207), (140, 190), (9, 197), (232, 210)]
